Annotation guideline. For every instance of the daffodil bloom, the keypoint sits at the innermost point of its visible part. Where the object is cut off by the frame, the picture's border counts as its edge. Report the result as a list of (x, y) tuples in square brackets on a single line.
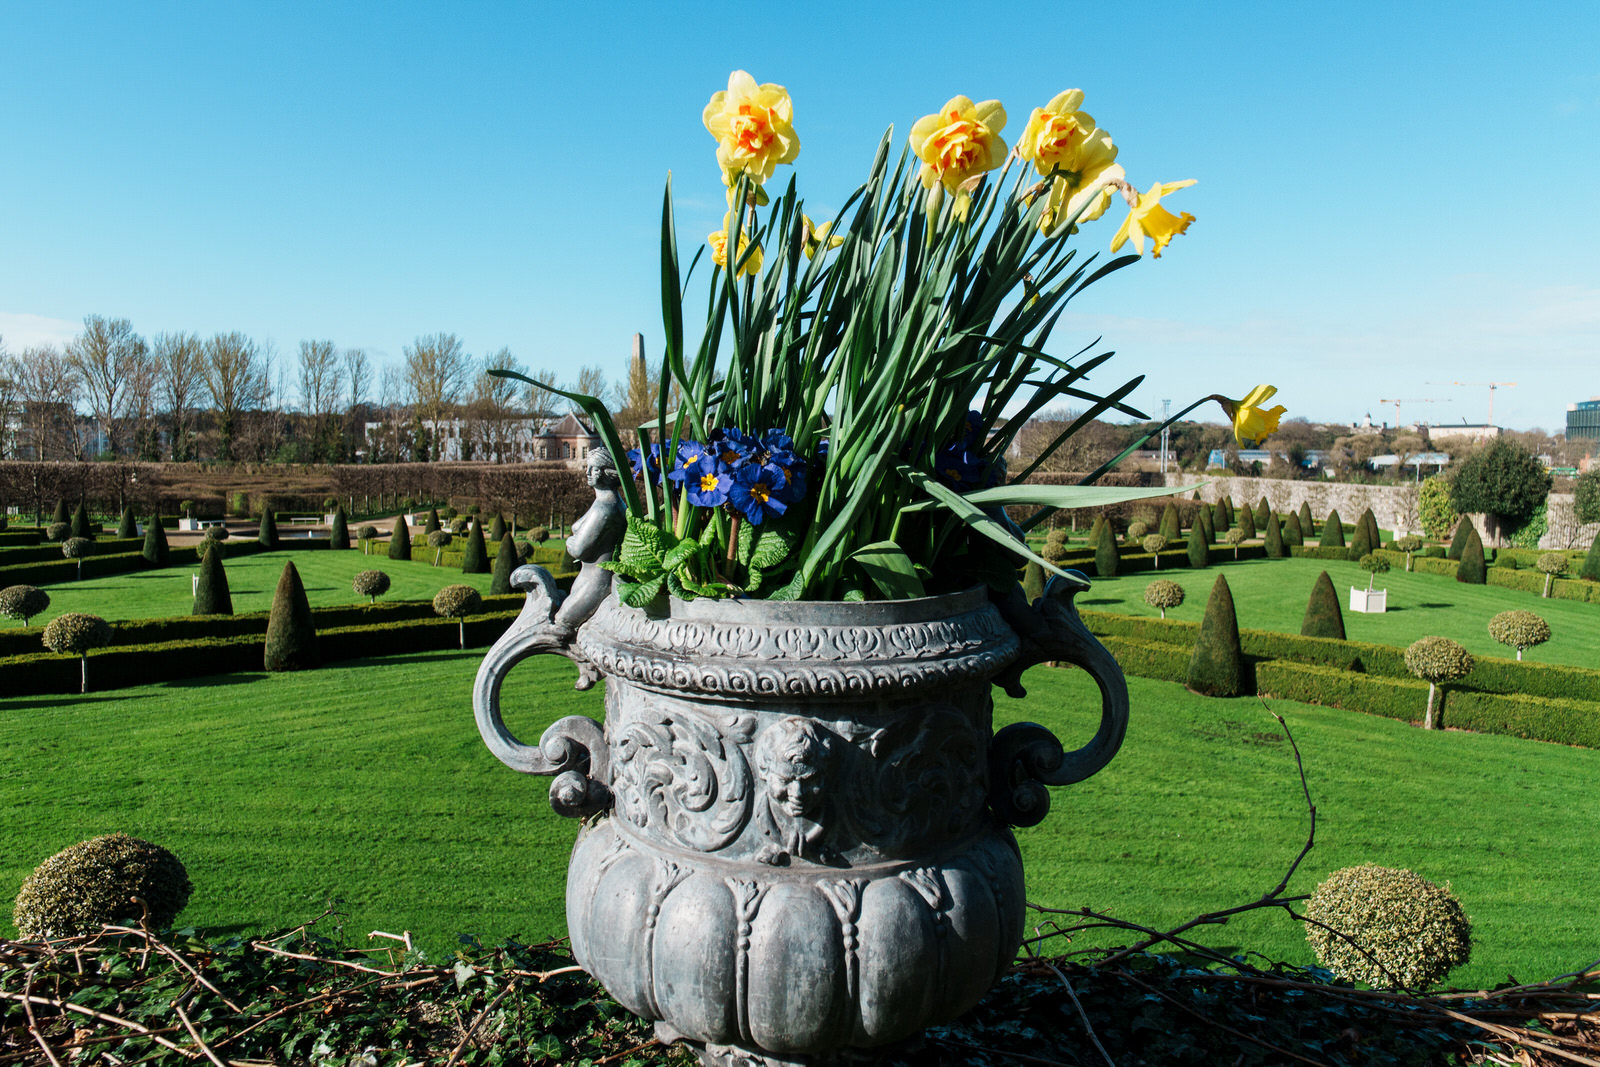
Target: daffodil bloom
[(816, 237), (748, 264), (1056, 133), (754, 127), (957, 145), (1250, 421), (1148, 218)]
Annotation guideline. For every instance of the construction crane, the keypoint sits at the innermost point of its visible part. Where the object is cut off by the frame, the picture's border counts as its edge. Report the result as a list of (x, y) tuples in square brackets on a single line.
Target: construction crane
[(1492, 387), (1408, 400)]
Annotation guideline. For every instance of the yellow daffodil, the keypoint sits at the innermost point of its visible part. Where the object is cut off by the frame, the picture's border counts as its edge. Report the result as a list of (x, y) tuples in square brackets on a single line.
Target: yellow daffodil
[(1250, 421), (718, 241), (1055, 133), (1148, 218), (754, 127), (816, 237), (957, 146)]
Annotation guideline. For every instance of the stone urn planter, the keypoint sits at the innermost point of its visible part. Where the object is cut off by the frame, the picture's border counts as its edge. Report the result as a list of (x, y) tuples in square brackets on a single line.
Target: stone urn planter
[(796, 844)]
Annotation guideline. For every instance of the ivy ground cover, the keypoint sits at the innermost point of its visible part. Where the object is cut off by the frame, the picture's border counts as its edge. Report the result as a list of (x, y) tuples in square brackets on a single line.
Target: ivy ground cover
[(364, 785)]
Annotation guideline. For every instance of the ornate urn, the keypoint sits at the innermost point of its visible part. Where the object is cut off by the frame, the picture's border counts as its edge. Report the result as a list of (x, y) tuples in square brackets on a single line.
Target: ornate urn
[(796, 841)]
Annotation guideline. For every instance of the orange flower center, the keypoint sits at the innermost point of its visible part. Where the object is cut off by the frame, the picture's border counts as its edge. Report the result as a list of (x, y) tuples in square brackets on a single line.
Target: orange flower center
[(752, 131), (958, 146), (1055, 140)]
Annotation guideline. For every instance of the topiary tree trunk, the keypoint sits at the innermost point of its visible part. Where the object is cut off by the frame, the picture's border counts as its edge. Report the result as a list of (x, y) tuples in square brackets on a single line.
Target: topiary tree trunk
[(505, 561), (1323, 616), (1216, 667), (291, 633), (400, 540)]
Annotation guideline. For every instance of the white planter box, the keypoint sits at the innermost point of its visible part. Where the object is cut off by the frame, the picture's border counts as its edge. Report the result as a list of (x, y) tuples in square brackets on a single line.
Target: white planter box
[(1369, 600), (188, 524)]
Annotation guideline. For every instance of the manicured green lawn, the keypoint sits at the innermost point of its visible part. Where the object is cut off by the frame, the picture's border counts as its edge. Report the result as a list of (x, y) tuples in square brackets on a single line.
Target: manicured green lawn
[(366, 783), (1271, 594), (251, 581)]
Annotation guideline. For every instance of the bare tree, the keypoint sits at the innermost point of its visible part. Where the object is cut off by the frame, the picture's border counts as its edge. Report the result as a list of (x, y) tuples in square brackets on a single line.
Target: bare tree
[(493, 418), (10, 404), (105, 356), (48, 388), (437, 369), (320, 375), (357, 376), (179, 360), (539, 402), (591, 381), (236, 377), (140, 410)]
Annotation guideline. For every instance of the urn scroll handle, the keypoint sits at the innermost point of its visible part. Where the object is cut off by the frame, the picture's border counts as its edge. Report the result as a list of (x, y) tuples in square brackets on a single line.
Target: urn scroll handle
[(1025, 757)]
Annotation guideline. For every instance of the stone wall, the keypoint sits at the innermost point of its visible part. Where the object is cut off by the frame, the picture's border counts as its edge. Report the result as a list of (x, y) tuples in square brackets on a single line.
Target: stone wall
[(1394, 506), (1565, 530)]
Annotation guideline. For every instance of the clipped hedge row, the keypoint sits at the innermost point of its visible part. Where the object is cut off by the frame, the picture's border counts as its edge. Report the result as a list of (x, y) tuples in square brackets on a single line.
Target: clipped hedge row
[(118, 667), (1533, 582), (1318, 551), (1566, 722), (27, 535), (1172, 558), (1149, 659), (40, 553), (66, 570)]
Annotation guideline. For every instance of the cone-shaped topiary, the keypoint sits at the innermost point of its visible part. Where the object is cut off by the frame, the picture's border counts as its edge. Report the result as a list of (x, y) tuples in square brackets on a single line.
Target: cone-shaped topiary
[(400, 540), (497, 528), (1203, 524), (78, 633), (1216, 667), (1247, 523), (211, 595), (505, 561), (1370, 521), (1291, 530), (1458, 541), (269, 529), (1308, 528), (1219, 518), (433, 521), (94, 883), (457, 602), (1274, 539), (291, 633), (475, 557), (1360, 541), (23, 602), (1333, 531), (81, 526), (1471, 568), (62, 513), (1170, 528), (1591, 562), (370, 584), (339, 531), (1094, 531), (127, 527), (1323, 616), (1199, 550), (1162, 594), (1520, 629), (1106, 555), (1437, 660), (1033, 581), (1229, 512), (1410, 932), (1262, 510)]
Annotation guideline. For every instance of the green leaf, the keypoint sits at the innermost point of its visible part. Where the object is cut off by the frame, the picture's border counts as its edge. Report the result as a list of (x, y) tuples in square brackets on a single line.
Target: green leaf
[(679, 554), (628, 570), (640, 594), (549, 1047), (645, 545), (1054, 496), (890, 569), (792, 590), (774, 545), (745, 544)]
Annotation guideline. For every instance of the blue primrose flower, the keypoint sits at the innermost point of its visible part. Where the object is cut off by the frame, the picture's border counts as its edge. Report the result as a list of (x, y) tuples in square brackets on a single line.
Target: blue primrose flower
[(689, 455), (794, 482), (777, 447), (757, 491), (636, 459), (734, 447), (709, 482)]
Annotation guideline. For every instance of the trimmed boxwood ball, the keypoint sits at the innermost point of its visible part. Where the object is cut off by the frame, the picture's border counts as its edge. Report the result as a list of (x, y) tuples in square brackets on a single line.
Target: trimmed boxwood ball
[(1332, 531), (400, 540), (1437, 660), (505, 561), (217, 533), (1415, 931), (457, 602), (524, 551), (1472, 569), (1216, 667), (291, 633), (370, 584), (23, 602), (439, 540), (57, 531), (1408, 544), (1163, 594), (1153, 544), (77, 548), (155, 551), (459, 526), (1136, 531), (211, 596), (1234, 537), (1520, 629), (1323, 616), (367, 533), (1374, 565), (78, 633), (1053, 551), (1551, 565), (93, 883), (541, 534), (1057, 535)]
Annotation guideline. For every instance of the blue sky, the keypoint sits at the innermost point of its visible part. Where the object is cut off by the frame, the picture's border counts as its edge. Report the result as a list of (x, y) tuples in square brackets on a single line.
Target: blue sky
[(1391, 196)]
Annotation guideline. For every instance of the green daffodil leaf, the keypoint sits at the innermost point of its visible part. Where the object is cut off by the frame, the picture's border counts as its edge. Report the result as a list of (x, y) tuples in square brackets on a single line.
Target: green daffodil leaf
[(890, 569)]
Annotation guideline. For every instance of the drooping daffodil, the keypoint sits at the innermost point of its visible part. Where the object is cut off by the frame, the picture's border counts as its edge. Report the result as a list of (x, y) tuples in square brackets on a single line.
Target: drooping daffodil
[(957, 146), (1148, 218), (1252, 422), (748, 263), (818, 237), (754, 127)]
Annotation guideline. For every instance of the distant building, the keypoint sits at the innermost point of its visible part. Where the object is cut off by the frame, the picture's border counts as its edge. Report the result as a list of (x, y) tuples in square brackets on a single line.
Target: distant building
[(1420, 460), (1466, 433), (566, 439), (1583, 420), (1219, 457)]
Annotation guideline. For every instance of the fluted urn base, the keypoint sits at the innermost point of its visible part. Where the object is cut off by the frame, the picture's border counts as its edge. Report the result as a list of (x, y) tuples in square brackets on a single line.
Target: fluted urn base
[(758, 966)]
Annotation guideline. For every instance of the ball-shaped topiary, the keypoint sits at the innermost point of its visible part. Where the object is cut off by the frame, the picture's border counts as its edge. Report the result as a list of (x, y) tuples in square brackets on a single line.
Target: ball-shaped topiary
[(460, 525), (1408, 544), (1552, 565), (1234, 537), (187, 507), (1437, 660), (1053, 551), (440, 540), (1374, 565), (1057, 535), (1136, 531), (457, 602), (1414, 932), (95, 883), (524, 551), (78, 633), (23, 602), (541, 534), (370, 584), (447, 513), (1153, 544), (57, 532), (217, 533), (1519, 629), (1163, 594), (366, 535), (77, 548)]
